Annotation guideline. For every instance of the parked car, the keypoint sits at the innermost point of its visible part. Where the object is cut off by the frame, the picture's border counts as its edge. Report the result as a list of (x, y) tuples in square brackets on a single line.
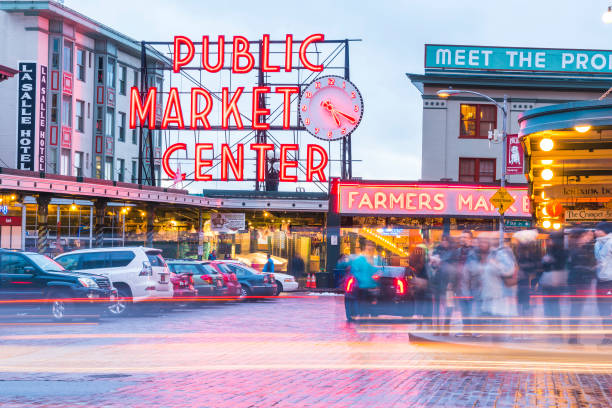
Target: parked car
[(394, 294), (183, 285), (207, 281), (26, 276), (252, 282), (234, 288), (139, 274)]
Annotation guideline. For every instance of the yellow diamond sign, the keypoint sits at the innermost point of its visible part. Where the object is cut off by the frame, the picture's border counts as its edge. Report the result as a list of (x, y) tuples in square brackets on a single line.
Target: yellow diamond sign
[(502, 200)]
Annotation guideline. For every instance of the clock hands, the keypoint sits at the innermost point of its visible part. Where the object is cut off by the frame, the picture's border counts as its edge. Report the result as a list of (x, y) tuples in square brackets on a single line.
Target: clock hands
[(336, 113)]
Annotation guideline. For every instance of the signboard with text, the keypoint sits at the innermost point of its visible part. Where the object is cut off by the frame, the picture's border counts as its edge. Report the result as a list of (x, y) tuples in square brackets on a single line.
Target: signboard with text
[(227, 222), (569, 191), (26, 115), (517, 59), (588, 215), (422, 199), (514, 155)]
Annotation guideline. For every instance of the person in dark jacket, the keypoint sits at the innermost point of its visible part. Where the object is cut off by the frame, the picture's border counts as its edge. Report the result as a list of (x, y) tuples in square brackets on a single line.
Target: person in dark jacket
[(443, 282), (581, 272), (551, 280)]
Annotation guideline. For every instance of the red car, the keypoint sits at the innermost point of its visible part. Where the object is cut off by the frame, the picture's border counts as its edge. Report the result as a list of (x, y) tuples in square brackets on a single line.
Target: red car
[(229, 278), (183, 285)]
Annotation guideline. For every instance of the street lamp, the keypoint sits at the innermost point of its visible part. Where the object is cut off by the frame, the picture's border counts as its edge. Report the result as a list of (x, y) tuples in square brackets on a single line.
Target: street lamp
[(445, 93), (607, 16)]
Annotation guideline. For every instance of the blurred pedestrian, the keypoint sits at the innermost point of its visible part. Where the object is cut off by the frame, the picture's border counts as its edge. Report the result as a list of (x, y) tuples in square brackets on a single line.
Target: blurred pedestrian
[(269, 265), (603, 256), (462, 277), (212, 256), (553, 280), (443, 284), (474, 270), (581, 272), (298, 267), (418, 265), (528, 261)]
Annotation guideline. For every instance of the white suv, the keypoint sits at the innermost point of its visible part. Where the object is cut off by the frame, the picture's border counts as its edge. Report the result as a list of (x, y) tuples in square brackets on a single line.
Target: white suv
[(137, 273)]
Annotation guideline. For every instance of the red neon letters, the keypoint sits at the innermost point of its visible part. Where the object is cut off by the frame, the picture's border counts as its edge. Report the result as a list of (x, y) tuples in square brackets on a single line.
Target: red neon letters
[(205, 155)]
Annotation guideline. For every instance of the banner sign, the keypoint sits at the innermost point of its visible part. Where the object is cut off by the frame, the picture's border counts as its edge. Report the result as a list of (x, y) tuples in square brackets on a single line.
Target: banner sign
[(517, 59), (426, 200), (12, 221), (227, 222), (42, 118), (568, 191), (514, 155), (588, 215), (26, 116)]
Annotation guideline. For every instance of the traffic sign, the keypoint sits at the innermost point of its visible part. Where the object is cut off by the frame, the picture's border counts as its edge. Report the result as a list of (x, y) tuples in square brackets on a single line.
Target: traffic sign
[(517, 223), (502, 200)]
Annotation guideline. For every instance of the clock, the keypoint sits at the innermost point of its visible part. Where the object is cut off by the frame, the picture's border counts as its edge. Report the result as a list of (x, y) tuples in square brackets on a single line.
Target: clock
[(331, 107)]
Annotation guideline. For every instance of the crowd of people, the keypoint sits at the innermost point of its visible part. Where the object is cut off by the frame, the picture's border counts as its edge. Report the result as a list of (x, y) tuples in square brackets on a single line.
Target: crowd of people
[(472, 278)]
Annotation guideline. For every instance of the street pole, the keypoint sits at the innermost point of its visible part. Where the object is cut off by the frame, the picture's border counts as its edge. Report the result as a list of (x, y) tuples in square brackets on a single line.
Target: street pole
[(503, 172)]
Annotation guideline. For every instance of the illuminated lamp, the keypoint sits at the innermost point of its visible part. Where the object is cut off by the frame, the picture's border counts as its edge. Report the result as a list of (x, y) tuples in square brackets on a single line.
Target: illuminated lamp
[(547, 174), (445, 93), (557, 225), (546, 144), (73, 207), (554, 209), (582, 128), (545, 211), (606, 17), (546, 224), (547, 161)]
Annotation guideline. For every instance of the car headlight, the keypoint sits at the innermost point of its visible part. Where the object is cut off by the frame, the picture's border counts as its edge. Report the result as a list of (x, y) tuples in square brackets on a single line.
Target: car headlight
[(88, 282)]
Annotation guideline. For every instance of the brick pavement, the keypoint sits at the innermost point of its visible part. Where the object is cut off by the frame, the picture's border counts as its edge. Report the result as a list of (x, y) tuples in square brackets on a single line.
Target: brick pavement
[(292, 352)]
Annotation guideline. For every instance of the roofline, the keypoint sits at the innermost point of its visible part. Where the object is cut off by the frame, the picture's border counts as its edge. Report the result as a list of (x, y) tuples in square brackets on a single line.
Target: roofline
[(56, 9), (9, 72)]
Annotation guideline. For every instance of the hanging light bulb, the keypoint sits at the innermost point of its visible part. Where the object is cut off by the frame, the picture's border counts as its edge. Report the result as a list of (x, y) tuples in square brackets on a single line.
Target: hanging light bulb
[(606, 17), (547, 174), (546, 224), (546, 144)]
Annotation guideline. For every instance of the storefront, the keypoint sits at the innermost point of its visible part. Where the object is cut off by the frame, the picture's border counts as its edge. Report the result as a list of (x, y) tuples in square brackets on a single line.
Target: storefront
[(567, 149), (397, 216)]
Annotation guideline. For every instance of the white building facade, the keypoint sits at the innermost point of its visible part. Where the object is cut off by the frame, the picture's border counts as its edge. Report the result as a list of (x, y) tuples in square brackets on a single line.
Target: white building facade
[(67, 112), (455, 143)]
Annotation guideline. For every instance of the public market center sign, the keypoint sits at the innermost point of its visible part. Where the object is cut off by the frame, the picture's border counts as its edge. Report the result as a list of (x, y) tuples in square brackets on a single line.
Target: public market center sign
[(517, 59)]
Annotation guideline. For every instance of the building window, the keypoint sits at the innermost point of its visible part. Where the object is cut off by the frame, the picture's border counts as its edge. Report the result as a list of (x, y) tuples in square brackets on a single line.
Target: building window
[(122, 79), (110, 73), (67, 56), (477, 120), (134, 136), (134, 171), (65, 162), (80, 64), (100, 73), (67, 111), (122, 126), (99, 167), (473, 170), (135, 78), (110, 121), (120, 170), (108, 168), (78, 164), (54, 107), (55, 54), (52, 160), (99, 120), (80, 116), (157, 171)]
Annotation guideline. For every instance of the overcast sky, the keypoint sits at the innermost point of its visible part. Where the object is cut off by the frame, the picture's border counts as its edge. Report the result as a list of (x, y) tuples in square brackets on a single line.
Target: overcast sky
[(393, 33)]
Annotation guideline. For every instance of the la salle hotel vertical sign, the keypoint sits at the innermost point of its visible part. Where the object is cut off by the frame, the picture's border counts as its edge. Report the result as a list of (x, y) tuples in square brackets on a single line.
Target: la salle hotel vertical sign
[(26, 116)]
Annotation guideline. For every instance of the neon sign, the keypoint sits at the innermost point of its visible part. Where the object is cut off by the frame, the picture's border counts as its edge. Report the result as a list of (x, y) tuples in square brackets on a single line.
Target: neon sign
[(426, 199), (338, 109)]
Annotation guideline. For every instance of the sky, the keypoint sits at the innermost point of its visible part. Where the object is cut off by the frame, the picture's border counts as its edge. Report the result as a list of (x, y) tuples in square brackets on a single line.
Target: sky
[(393, 33)]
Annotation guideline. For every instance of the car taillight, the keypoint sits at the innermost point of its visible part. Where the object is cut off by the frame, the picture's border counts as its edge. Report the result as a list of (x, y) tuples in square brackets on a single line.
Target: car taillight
[(350, 284), (375, 277), (233, 277), (207, 279), (146, 270), (400, 287), (265, 278), (225, 278), (191, 279)]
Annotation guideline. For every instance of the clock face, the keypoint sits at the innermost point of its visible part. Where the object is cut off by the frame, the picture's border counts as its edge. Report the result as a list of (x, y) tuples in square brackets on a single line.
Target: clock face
[(331, 107)]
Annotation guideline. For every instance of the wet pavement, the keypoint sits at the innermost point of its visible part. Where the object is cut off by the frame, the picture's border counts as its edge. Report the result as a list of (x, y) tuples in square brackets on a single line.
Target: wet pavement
[(285, 352)]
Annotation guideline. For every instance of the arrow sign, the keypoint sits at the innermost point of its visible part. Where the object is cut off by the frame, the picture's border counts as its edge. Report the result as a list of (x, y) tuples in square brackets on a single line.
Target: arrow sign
[(502, 200)]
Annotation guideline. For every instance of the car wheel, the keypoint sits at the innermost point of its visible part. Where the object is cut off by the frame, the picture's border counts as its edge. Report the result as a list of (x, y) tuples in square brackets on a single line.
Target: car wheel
[(245, 291), (121, 306), (350, 308), (279, 288), (59, 307)]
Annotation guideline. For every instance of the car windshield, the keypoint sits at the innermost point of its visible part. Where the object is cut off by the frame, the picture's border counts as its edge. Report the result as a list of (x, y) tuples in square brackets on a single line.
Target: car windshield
[(45, 263)]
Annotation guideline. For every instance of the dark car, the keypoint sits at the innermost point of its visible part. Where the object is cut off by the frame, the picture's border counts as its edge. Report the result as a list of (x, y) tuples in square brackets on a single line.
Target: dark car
[(233, 287), (252, 282), (207, 281), (26, 278), (393, 296)]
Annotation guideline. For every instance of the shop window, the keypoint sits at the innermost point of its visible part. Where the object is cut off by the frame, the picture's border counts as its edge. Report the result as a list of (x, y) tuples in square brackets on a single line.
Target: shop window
[(55, 53), (110, 121), (121, 127), (80, 64), (121, 170), (122, 79), (80, 116), (78, 164), (68, 56), (477, 120), (65, 162), (476, 170), (67, 111)]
